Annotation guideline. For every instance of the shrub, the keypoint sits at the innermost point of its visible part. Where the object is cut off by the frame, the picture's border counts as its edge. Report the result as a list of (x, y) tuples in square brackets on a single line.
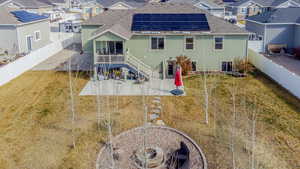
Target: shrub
[(297, 53), (185, 64), (242, 65)]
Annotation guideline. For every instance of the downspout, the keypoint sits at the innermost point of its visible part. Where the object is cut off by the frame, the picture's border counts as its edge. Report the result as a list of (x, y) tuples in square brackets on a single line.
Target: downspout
[(18, 43), (264, 43)]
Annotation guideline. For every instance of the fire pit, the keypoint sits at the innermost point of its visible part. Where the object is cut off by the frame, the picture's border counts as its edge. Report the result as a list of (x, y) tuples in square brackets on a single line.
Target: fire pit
[(149, 157), (164, 147)]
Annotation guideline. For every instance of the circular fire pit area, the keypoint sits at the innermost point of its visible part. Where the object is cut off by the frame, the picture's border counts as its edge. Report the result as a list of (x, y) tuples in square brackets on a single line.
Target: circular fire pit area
[(153, 147)]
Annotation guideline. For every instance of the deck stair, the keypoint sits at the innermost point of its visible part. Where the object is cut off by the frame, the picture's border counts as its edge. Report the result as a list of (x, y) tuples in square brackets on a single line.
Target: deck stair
[(140, 67)]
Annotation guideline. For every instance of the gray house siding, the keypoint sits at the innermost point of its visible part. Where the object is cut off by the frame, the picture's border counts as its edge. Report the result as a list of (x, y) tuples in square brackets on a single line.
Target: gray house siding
[(29, 30), (8, 40), (297, 35), (259, 29), (280, 34)]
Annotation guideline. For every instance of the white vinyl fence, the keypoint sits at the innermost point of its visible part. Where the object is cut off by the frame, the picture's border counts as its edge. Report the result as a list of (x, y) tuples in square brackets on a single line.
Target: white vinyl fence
[(256, 45), (23, 64), (280, 74)]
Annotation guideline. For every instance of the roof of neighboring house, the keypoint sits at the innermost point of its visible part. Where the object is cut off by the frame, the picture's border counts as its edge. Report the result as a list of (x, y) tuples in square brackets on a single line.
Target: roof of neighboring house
[(37, 3), (120, 21), (280, 15), (3, 2), (265, 3), (7, 18), (131, 3), (209, 3)]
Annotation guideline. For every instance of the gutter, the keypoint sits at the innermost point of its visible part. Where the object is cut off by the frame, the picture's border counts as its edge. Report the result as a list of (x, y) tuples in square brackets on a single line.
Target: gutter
[(22, 24), (261, 23)]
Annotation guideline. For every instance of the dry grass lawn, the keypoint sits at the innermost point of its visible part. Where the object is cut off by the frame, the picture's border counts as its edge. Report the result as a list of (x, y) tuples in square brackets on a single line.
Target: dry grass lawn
[(36, 128)]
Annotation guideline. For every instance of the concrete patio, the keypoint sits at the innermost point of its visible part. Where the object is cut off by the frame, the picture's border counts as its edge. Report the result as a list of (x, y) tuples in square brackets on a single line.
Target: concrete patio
[(155, 87)]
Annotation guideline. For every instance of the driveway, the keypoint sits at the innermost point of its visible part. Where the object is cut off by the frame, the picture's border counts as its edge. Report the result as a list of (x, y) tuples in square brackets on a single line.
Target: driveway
[(289, 63), (60, 61)]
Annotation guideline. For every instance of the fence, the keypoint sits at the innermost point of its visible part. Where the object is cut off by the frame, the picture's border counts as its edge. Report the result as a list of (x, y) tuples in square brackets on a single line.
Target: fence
[(21, 65), (280, 74), (256, 45)]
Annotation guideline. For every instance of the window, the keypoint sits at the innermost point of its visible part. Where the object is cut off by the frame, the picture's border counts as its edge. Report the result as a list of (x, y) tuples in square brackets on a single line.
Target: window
[(243, 10), (110, 48), (170, 69), (189, 43), (157, 43), (226, 66), (37, 35), (194, 66), (218, 43)]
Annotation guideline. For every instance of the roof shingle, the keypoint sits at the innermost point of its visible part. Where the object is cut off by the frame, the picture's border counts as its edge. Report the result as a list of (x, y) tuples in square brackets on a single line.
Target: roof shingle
[(123, 19)]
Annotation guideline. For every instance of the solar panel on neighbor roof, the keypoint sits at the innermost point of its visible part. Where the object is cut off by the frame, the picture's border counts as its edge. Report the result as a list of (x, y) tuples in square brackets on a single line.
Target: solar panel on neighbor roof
[(24, 16), (170, 22)]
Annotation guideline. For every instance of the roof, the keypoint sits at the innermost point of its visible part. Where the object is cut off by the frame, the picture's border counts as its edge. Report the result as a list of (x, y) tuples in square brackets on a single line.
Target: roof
[(209, 3), (120, 21), (280, 15), (132, 3), (7, 18), (266, 3), (3, 1), (37, 3)]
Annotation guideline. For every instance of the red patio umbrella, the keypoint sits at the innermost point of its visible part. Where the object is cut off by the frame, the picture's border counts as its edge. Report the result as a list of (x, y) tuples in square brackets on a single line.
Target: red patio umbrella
[(178, 78)]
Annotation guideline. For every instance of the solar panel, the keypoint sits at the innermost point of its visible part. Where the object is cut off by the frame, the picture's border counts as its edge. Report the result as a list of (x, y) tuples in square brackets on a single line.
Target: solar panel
[(24, 16), (170, 22)]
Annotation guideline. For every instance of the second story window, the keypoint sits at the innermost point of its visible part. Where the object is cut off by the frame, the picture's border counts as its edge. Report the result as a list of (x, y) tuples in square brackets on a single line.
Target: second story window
[(218, 43), (157, 43), (37, 35), (189, 43)]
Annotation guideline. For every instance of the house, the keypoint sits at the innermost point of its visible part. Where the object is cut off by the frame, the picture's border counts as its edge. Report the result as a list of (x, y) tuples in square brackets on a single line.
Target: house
[(244, 8), (22, 32), (37, 6), (278, 26), (122, 4), (4, 2), (150, 38), (87, 8), (208, 5)]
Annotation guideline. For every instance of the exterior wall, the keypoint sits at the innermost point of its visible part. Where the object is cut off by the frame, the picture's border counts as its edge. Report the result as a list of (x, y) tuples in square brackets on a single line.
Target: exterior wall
[(8, 40), (280, 34), (297, 36), (204, 54), (29, 29), (259, 29), (86, 33)]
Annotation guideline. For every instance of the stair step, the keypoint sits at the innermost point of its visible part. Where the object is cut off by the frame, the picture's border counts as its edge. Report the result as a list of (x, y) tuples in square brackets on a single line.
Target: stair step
[(156, 101), (160, 122)]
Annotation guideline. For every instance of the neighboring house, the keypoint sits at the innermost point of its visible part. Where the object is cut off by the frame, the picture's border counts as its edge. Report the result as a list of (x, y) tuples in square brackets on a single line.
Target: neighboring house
[(38, 6), (22, 32), (279, 26), (122, 4), (208, 5), (244, 8), (4, 2), (87, 8), (150, 38)]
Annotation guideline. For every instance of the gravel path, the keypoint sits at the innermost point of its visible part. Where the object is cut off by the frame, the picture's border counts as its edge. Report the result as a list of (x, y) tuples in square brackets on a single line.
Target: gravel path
[(165, 138)]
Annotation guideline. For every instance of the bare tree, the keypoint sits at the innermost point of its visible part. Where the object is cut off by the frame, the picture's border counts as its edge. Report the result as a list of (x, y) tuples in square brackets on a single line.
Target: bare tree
[(253, 137), (72, 102)]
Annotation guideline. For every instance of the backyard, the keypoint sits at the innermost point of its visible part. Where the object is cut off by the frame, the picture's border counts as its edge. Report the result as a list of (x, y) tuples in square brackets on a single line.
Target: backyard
[(36, 129)]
